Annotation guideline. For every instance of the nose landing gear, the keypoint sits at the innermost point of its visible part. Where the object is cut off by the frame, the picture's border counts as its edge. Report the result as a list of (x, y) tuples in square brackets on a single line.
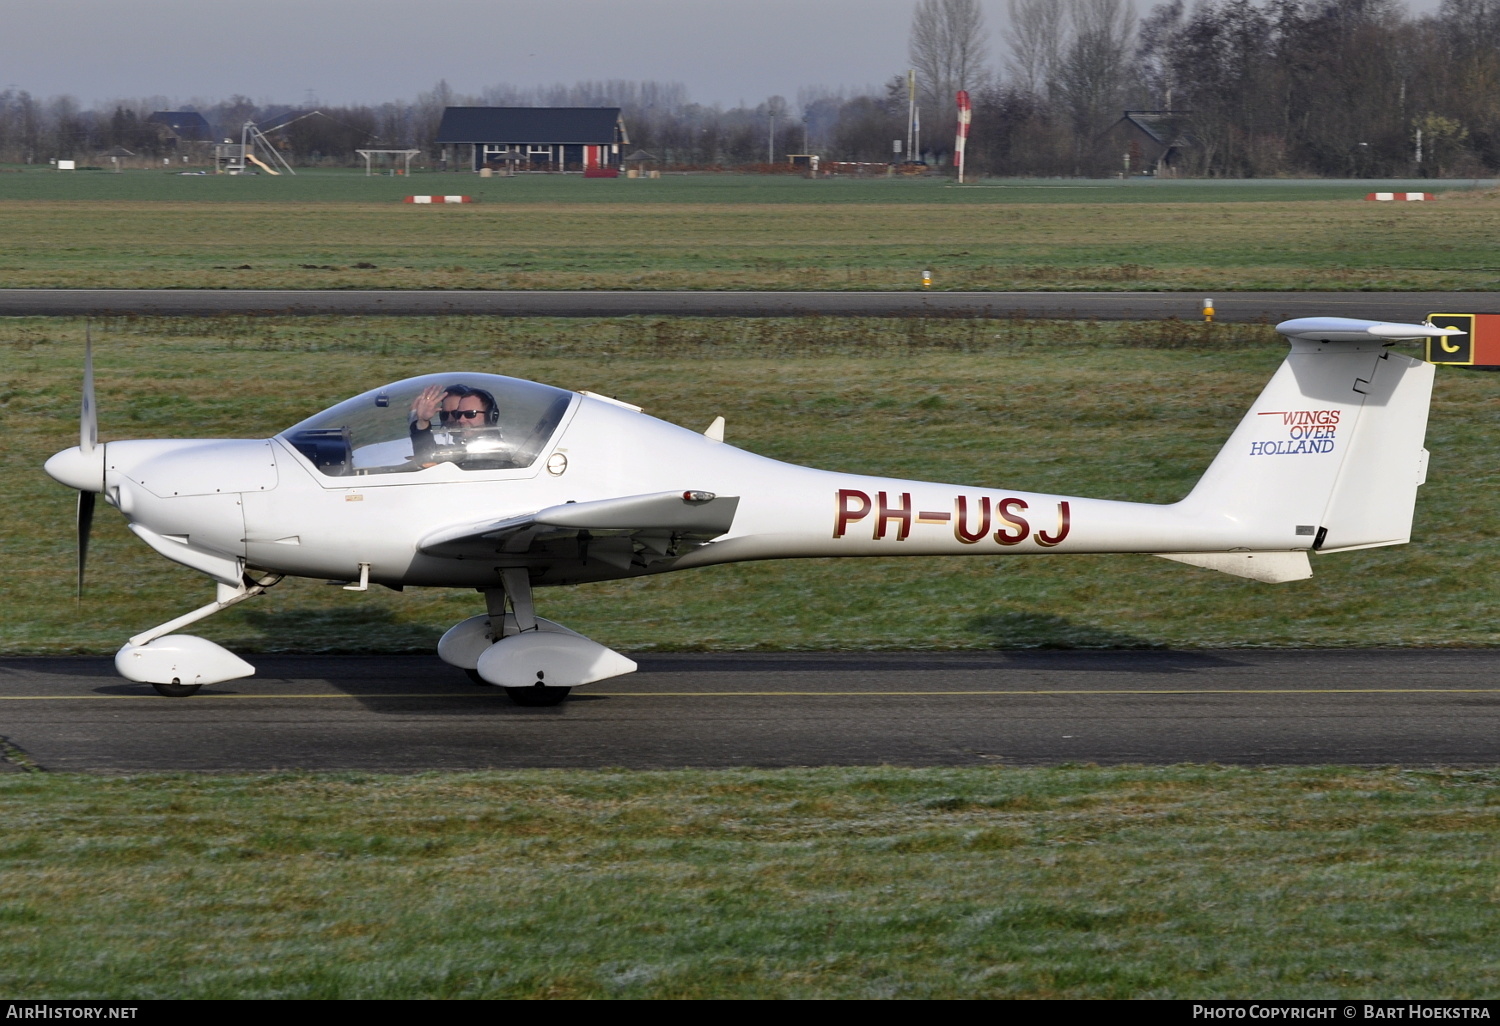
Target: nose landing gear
[(538, 694), (177, 665)]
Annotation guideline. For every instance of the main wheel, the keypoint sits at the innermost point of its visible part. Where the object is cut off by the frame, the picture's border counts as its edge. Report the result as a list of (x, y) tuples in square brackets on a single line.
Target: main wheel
[(177, 689), (537, 695), (475, 678)]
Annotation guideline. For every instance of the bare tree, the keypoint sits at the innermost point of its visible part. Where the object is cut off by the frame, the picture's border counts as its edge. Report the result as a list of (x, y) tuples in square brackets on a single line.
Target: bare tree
[(1153, 52), (948, 49), (1091, 78), (1035, 41), (428, 114), (69, 136)]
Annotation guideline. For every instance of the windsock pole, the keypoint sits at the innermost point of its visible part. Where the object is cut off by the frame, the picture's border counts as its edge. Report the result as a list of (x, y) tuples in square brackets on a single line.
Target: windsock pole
[(965, 114)]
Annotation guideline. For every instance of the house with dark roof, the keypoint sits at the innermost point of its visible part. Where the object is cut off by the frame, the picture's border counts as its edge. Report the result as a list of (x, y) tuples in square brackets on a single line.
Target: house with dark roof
[(1150, 141), (587, 139), (181, 126)]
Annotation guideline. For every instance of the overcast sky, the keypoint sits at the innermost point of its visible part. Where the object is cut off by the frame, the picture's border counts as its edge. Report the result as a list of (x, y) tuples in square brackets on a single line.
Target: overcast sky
[(368, 51)]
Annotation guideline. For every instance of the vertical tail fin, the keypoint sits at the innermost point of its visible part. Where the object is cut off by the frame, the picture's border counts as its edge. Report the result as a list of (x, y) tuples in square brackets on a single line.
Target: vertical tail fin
[(1330, 455)]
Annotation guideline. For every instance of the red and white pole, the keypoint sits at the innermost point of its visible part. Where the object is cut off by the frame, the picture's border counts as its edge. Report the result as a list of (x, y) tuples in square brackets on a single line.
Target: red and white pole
[(964, 116)]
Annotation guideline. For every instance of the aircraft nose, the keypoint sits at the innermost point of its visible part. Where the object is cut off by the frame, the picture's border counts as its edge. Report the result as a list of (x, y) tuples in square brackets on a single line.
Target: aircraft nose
[(78, 469)]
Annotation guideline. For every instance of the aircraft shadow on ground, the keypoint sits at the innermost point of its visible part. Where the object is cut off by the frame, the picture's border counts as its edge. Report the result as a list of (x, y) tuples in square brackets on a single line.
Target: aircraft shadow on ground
[(1048, 641), (421, 684), (61, 666), (337, 629), (405, 675), (1116, 660), (396, 685)]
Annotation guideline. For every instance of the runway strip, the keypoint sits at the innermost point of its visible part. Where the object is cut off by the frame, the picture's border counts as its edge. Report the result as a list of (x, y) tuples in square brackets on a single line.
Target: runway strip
[(409, 713), (1250, 307), (210, 695)]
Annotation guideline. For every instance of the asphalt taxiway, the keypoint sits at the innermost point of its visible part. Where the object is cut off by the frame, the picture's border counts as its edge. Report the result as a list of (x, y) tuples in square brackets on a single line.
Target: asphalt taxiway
[(409, 713), (1250, 307)]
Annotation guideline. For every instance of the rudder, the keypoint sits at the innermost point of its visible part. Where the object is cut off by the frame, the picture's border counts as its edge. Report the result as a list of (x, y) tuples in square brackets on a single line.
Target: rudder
[(1330, 455)]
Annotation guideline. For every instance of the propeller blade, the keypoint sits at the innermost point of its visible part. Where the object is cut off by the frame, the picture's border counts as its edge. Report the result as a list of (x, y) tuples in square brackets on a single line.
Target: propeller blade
[(85, 524), (88, 416)]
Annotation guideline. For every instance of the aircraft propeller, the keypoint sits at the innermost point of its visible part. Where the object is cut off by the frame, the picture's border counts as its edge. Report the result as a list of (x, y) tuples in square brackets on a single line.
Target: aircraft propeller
[(88, 440)]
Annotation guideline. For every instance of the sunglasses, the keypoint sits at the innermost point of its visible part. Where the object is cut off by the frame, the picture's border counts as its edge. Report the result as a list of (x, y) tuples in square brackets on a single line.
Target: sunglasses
[(465, 414)]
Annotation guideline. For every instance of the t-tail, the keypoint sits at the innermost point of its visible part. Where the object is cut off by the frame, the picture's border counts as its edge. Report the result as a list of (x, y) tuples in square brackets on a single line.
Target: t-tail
[(1329, 457)]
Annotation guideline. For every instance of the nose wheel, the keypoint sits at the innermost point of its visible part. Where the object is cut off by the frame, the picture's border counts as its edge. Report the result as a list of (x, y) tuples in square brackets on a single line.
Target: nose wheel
[(176, 689), (537, 695)]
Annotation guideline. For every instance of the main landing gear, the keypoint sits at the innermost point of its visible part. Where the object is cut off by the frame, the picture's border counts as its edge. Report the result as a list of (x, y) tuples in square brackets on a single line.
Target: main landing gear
[(536, 661)]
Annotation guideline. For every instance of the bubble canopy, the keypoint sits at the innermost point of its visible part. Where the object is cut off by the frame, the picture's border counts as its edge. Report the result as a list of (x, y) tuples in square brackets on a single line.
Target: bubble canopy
[(376, 432)]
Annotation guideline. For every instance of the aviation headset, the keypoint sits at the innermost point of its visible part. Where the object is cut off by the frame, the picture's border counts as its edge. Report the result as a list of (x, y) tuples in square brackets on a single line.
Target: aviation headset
[(491, 408)]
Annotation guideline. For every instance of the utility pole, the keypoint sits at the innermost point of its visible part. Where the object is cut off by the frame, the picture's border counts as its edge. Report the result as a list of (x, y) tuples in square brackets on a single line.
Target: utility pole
[(911, 107), (771, 148), (965, 115)]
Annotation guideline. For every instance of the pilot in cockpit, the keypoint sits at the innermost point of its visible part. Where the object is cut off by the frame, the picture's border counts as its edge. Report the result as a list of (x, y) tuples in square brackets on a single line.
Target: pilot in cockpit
[(466, 419)]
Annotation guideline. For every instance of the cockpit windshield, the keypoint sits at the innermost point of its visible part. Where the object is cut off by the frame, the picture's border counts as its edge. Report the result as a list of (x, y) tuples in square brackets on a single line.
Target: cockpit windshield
[(473, 421)]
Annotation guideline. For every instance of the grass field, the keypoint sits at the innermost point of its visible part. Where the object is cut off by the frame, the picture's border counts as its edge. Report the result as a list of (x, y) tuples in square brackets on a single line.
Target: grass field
[(734, 232), (1177, 882), (1180, 882), (319, 185), (1116, 411)]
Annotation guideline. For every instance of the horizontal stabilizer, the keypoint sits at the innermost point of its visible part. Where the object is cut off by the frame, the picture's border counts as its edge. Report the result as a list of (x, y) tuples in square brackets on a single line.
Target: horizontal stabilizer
[(1270, 567), (1351, 329)]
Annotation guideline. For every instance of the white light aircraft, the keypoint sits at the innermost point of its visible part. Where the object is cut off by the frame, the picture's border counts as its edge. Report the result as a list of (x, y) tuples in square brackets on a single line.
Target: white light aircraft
[(475, 480)]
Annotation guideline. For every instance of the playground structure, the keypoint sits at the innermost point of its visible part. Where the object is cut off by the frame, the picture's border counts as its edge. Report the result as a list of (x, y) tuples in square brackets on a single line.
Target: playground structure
[(232, 158), (235, 158)]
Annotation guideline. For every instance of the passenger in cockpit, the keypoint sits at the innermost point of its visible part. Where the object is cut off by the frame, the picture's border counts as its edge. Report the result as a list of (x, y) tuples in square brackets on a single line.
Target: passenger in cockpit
[(463, 414)]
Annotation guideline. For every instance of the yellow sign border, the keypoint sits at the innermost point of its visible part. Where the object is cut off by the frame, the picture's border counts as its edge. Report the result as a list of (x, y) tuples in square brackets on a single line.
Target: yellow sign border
[(1473, 346)]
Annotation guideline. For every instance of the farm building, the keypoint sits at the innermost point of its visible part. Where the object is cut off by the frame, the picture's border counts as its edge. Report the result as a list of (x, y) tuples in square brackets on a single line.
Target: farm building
[(584, 139), (183, 133), (181, 126), (1149, 141)]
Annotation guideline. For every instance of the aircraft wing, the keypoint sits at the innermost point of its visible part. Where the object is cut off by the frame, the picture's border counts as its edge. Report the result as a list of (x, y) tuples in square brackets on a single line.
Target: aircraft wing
[(639, 529)]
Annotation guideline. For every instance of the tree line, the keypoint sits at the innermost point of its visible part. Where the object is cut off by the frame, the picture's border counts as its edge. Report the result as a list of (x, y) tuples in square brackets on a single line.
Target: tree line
[(1248, 88)]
